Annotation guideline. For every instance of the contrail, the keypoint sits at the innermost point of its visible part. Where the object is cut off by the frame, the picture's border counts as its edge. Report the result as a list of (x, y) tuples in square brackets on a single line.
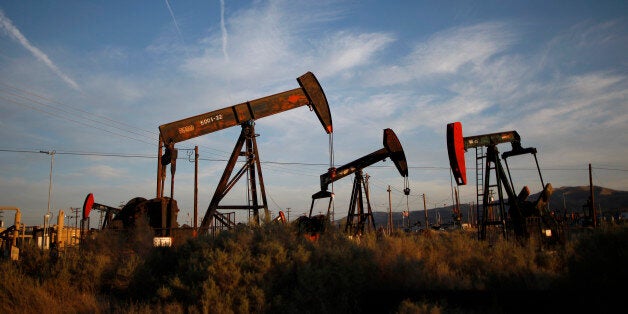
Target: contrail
[(7, 26), (176, 25), (224, 30)]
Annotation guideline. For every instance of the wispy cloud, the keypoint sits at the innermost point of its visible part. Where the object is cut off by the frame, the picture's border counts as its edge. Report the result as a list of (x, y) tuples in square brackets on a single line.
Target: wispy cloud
[(105, 172), (7, 26), (447, 53), (174, 20), (223, 30), (343, 51), (582, 104), (267, 41)]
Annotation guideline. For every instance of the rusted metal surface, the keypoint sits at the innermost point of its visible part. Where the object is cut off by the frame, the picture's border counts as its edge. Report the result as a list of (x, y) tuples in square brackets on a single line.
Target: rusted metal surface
[(252, 167), (202, 124), (358, 218), (310, 94), (317, 99), (160, 213), (311, 227), (392, 149), (244, 114), (491, 139), (395, 151), (335, 174), (159, 186)]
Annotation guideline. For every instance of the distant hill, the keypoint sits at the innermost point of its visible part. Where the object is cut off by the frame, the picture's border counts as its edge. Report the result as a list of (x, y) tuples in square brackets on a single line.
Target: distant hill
[(607, 201)]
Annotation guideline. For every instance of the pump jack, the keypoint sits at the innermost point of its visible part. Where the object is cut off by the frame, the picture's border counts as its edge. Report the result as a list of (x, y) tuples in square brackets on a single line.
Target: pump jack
[(393, 150), (522, 213), (309, 93)]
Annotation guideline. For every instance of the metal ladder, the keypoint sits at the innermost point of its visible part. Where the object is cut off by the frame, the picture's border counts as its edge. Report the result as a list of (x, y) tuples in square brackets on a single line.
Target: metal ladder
[(479, 178), (479, 186)]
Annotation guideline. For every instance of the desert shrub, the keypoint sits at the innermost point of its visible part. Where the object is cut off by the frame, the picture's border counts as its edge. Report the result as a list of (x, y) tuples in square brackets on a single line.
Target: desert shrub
[(333, 277), (273, 269), (223, 274), (597, 261), (27, 290), (34, 261), (410, 307)]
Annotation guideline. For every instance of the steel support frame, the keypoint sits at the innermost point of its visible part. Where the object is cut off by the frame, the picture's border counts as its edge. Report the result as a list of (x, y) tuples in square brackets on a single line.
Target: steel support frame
[(357, 203), (503, 184), (252, 166)]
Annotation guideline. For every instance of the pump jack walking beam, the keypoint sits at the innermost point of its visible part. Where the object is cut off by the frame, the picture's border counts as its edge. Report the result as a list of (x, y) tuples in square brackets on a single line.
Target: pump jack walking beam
[(309, 93), (393, 150)]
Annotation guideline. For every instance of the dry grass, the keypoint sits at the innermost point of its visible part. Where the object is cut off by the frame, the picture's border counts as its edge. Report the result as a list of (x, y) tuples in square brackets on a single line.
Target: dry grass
[(272, 269)]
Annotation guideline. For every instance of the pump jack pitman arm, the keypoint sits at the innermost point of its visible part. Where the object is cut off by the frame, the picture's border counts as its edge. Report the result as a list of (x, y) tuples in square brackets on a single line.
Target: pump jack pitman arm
[(310, 93), (392, 149)]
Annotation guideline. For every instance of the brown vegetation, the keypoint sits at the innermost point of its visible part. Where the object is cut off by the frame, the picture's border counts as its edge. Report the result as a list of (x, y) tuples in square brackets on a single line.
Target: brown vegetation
[(272, 270)]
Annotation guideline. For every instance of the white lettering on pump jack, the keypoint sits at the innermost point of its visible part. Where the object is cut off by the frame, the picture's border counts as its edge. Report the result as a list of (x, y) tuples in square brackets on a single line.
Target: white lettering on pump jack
[(210, 119)]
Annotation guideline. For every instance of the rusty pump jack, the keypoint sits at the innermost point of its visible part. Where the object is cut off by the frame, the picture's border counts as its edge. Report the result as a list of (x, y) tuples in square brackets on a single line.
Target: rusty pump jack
[(392, 149), (309, 93), (520, 211)]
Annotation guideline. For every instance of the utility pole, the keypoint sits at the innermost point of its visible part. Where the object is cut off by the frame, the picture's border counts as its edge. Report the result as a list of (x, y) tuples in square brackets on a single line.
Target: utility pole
[(67, 231), (390, 223), (48, 215), (592, 198), (195, 190), (76, 214), (407, 211), (427, 224), (52, 160), (470, 215), (288, 212), (101, 217)]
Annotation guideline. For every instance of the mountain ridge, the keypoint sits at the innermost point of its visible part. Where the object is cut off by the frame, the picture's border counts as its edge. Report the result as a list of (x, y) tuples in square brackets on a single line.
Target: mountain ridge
[(609, 202)]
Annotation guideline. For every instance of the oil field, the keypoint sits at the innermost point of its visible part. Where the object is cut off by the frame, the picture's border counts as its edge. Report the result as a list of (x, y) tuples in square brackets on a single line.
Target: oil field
[(297, 157), (511, 246)]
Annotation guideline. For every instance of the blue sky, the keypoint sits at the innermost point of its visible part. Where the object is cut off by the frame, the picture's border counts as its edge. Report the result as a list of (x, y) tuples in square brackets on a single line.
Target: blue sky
[(92, 79)]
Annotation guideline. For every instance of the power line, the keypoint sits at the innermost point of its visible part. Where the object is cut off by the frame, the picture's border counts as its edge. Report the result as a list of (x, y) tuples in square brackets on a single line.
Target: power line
[(611, 169), (152, 133), (278, 163), (72, 120), (125, 127)]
